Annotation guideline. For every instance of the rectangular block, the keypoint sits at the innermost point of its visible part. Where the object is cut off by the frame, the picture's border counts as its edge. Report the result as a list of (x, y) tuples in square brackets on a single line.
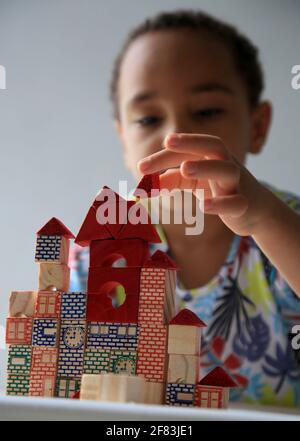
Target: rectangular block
[(48, 304), (67, 387), (123, 362), (52, 249), (22, 303), (183, 369), (17, 385), (19, 330), (180, 394), (184, 339), (45, 332), (123, 336), (54, 276), (96, 361), (73, 306), (42, 386), (71, 348), (19, 360)]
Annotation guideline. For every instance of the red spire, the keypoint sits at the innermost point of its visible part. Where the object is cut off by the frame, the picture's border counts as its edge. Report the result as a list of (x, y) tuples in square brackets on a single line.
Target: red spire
[(54, 227), (148, 183), (160, 260), (218, 377), (187, 317), (145, 231)]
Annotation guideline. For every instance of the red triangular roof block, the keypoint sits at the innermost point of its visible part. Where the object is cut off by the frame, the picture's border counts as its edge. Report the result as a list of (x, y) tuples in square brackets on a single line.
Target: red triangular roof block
[(148, 183), (146, 231), (91, 229), (187, 317), (54, 227), (218, 377), (161, 260)]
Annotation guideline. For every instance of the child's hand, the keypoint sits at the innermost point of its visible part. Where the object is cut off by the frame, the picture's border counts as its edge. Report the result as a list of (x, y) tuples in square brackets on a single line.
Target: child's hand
[(202, 161)]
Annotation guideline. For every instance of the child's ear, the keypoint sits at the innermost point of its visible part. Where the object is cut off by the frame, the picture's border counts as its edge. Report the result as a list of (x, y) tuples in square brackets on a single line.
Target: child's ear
[(261, 122)]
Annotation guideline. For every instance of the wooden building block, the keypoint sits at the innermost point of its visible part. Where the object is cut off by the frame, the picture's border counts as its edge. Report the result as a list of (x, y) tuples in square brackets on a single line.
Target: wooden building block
[(110, 387), (43, 372), (48, 304), (122, 336), (67, 387), (52, 249), (73, 306), (155, 393), (17, 385), (183, 369), (22, 303), (71, 348), (54, 277), (19, 360), (45, 332), (96, 361), (180, 394), (152, 362), (19, 330), (122, 362), (184, 339), (211, 397)]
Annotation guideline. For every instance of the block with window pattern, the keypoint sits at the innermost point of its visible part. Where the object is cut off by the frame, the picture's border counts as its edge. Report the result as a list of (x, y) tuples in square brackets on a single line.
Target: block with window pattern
[(45, 332), (48, 304), (122, 336)]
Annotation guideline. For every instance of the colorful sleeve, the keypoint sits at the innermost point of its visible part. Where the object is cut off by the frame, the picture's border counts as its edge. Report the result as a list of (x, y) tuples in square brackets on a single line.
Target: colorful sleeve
[(79, 263), (287, 300)]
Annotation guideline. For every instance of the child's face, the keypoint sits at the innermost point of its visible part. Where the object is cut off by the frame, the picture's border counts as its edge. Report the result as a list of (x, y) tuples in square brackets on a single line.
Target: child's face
[(181, 82)]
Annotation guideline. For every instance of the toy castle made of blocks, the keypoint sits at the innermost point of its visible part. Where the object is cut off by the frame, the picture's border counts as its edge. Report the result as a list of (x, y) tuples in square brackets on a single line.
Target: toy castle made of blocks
[(123, 339)]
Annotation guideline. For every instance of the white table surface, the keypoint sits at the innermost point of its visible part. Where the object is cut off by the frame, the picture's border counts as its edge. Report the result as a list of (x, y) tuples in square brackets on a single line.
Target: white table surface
[(28, 408)]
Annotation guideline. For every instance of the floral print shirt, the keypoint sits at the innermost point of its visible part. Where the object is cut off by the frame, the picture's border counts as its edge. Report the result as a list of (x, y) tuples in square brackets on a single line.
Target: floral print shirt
[(249, 310)]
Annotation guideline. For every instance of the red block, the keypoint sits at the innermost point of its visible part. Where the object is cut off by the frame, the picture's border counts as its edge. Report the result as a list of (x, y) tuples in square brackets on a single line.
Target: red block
[(43, 372), (101, 283), (19, 330), (103, 253), (48, 304)]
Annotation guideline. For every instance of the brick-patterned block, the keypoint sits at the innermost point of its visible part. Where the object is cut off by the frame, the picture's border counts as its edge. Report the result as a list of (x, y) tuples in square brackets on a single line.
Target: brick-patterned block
[(52, 249), (48, 304), (152, 296), (180, 394), (45, 332), (43, 372), (122, 362), (19, 330), (17, 385), (96, 361), (71, 348), (73, 306), (122, 336), (19, 360), (152, 359), (67, 387)]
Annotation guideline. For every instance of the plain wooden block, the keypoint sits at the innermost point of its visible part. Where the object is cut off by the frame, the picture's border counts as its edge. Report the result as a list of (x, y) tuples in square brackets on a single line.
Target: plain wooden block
[(113, 387), (53, 276), (183, 368), (154, 393), (184, 339), (22, 303)]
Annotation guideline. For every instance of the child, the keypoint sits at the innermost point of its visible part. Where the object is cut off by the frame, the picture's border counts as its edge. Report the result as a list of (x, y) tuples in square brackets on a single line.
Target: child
[(186, 91)]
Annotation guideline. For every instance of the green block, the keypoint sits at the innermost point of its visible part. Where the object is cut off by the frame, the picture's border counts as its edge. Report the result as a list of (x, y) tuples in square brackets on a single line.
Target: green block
[(123, 362), (96, 361), (19, 360), (67, 387), (18, 385)]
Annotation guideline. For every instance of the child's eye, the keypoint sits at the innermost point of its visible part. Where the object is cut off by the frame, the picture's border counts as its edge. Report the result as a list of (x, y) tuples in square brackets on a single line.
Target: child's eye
[(209, 113), (147, 121)]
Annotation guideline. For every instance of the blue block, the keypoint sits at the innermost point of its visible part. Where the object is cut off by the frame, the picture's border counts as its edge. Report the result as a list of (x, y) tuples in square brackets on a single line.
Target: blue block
[(71, 348), (180, 394), (48, 248), (73, 306), (122, 336), (45, 332)]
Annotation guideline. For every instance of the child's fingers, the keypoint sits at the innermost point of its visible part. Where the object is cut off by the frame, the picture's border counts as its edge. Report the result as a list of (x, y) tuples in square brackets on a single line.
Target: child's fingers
[(226, 173), (173, 179), (193, 143), (232, 205), (163, 159)]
